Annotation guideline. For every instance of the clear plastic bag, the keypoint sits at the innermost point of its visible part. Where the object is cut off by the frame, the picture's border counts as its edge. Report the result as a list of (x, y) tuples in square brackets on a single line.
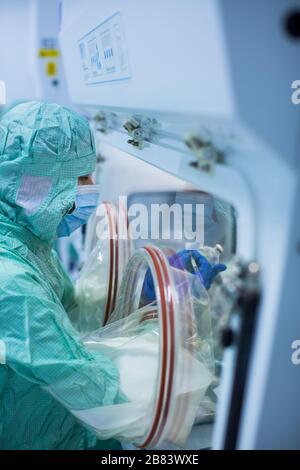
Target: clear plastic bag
[(101, 276), (163, 352)]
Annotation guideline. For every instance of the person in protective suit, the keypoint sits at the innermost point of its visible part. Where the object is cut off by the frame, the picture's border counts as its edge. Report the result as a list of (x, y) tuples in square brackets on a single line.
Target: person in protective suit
[(45, 370)]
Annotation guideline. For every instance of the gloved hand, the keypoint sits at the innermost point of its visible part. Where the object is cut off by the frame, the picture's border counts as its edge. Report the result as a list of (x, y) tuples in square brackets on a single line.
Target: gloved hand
[(189, 260)]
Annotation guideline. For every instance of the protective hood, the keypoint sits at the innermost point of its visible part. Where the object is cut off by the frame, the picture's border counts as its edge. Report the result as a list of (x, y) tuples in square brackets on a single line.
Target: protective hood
[(44, 148)]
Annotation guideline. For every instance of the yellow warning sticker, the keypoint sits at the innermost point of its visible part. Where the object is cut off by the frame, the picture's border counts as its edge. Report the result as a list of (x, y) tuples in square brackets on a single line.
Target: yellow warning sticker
[(48, 53), (51, 69)]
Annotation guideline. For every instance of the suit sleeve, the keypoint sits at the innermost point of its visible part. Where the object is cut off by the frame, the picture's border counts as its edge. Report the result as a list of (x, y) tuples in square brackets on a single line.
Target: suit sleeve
[(42, 346)]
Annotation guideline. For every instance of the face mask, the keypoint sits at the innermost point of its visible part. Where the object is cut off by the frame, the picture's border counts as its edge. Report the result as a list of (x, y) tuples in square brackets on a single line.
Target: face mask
[(87, 199)]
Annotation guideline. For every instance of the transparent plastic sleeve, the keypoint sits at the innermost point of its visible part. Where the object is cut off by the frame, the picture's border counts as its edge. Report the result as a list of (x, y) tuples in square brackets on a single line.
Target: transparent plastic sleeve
[(163, 352), (101, 276)]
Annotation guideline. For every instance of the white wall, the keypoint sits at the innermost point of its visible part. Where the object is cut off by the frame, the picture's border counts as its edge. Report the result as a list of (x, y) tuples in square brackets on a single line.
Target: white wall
[(23, 26), (17, 61)]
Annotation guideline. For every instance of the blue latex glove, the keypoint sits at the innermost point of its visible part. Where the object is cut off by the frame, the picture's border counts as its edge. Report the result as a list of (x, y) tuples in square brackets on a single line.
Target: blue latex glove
[(205, 271)]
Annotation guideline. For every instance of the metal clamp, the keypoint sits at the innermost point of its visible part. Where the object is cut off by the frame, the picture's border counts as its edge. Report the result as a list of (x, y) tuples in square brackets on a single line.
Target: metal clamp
[(140, 128), (105, 121), (206, 153)]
